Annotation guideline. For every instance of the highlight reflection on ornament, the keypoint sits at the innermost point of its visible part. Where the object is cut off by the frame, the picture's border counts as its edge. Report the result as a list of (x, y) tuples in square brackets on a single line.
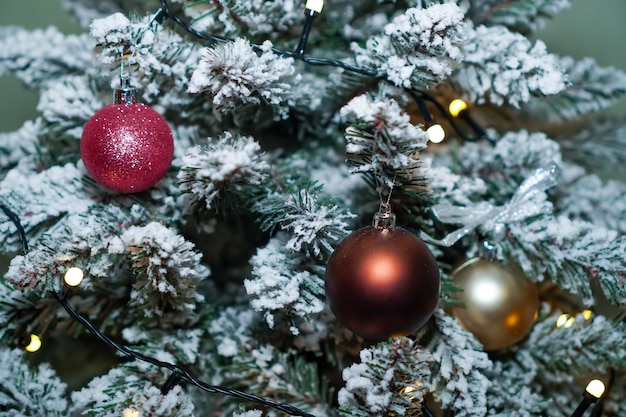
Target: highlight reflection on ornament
[(500, 302)]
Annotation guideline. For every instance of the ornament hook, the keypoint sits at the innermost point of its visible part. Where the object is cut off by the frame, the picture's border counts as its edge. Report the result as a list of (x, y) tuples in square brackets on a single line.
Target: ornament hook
[(490, 251)]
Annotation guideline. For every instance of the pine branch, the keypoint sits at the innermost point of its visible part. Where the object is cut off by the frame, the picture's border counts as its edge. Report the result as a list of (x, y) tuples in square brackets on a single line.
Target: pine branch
[(282, 283), (233, 76), (381, 143), (26, 392), (524, 16), (459, 370), (132, 385), (41, 199), (19, 145), (76, 240), (513, 392), (501, 67), (589, 198), (417, 47), (168, 271), (313, 222), (180, 346), (66, 104), (571, 253), (225, 174), (599, 147), (245, 361), (587, 345), (233, 18), (389, 380), (40, 55), (590, 88)]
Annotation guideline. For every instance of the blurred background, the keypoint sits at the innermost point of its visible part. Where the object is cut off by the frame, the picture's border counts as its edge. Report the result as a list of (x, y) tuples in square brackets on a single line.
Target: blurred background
[(595, 28)]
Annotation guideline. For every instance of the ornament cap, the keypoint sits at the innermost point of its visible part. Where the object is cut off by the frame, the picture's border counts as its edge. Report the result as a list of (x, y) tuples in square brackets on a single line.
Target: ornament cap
[(384, 220), (125, 94)]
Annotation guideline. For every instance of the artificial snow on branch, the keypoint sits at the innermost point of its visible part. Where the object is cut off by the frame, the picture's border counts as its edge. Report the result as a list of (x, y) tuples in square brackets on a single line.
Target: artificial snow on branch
[(40, 55), (28, 392), (279, 284), (168, 270), (381, 141), (590, 88), (524, 16), (231, 17), (314, 223), (458, 368), (390, 379), (418, 48), (234, 75), (501, 67), (129, 386), (228, 168)]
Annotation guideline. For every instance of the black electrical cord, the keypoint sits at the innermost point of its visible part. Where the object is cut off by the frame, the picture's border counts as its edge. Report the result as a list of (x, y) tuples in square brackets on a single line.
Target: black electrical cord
[(178, 371)]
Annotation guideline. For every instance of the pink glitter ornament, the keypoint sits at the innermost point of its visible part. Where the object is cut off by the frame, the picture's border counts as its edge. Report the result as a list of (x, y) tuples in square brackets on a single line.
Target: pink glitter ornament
[(127, 146)]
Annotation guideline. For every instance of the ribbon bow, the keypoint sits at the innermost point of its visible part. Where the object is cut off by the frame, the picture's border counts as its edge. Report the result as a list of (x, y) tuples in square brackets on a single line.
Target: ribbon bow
[(529, 200)]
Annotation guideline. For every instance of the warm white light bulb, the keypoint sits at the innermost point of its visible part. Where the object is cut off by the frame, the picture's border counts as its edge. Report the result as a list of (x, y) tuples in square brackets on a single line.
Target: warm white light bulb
[(315, 5), (130, 412), (565, 320), (456, 106), (34, 345), (436, 134), (595, 387), (587, 314), (73, 276)]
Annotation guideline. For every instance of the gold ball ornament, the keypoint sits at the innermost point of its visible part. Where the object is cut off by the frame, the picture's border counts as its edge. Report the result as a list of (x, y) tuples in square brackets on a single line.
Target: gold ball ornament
[(501, 304)]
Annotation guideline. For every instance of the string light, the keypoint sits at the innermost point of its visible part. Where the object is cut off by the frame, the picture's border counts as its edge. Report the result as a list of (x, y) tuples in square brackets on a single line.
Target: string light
[(565, 320), (73, 276), (456, 106), (131, 412), (311, 10), (436, 134), (593, 392), (34, 344), (314, 5)]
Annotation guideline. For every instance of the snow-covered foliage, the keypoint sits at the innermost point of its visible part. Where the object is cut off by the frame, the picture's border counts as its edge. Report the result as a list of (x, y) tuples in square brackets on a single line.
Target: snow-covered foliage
[(130, 391), (388, 380), (278, 283), (590, 88), (26, 392), (262, 203), (524, 16), (227, 165), (37, 56), (234, 75), (381, 141), (230, 17), (418, 48), (459, 369), (501, 66), (19, 144), (312, 222), (41, 198), (168, 270)]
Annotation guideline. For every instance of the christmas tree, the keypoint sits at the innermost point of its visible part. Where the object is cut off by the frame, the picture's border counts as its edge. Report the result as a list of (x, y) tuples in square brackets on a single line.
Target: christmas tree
[(189, 218)]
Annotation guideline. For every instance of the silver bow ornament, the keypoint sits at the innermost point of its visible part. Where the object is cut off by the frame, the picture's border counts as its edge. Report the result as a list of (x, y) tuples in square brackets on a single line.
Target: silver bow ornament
[(529, 200)]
